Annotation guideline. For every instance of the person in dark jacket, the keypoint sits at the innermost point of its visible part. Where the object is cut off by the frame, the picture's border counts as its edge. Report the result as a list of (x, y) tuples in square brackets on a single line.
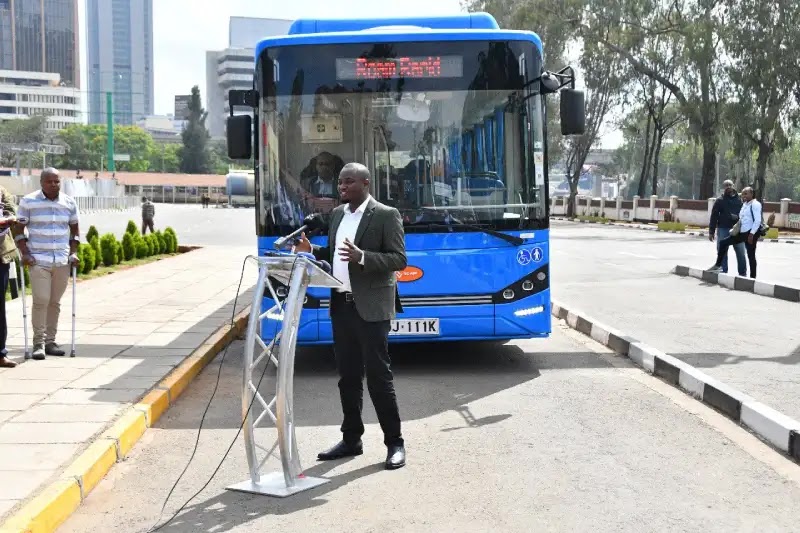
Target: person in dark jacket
[(724, 215)]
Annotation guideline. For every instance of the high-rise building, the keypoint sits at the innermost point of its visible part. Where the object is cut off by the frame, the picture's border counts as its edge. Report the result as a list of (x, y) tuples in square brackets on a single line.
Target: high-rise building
[(233, 68), (41, 36), (120, 59)]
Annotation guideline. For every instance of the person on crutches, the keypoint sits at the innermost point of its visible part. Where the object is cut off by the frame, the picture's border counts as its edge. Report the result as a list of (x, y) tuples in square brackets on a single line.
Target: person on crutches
[(50, 250), (8, 252)]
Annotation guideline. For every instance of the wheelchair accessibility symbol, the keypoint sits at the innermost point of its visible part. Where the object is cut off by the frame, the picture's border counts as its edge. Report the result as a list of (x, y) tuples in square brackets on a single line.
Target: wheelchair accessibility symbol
[(523, 257)]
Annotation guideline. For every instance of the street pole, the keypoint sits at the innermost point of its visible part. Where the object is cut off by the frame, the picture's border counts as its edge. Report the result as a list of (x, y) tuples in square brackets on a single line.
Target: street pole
[(110, 129)]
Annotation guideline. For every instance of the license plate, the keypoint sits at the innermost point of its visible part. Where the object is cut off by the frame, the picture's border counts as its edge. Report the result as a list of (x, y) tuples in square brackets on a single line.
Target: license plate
[(417, 326)]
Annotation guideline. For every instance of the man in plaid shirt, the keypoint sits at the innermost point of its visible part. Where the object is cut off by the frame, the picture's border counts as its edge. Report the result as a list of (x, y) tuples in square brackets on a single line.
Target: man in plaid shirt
[(148, 214)]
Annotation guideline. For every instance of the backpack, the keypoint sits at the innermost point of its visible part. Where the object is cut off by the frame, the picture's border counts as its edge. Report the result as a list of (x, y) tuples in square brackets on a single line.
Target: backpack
[(762, 228)]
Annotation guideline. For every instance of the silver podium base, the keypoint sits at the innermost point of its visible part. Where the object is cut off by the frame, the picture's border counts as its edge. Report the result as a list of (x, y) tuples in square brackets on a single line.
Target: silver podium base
[(275, 485)]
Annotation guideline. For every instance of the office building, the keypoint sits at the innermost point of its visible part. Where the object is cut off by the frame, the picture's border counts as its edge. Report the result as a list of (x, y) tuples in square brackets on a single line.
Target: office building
[(233, 67), (120, 59), (41, 36), (26, 94)]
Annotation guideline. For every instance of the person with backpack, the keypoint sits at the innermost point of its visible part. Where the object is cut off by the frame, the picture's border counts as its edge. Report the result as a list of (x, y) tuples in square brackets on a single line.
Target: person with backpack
[(724, 216), (747, 230)]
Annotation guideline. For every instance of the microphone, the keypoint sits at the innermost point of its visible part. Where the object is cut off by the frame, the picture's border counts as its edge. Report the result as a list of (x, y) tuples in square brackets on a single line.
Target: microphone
[(311, 222)]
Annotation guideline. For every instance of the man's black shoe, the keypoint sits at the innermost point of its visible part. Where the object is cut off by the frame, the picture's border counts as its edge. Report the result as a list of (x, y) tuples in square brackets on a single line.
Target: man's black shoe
[(341, 450), (396, 457), (53, 349)]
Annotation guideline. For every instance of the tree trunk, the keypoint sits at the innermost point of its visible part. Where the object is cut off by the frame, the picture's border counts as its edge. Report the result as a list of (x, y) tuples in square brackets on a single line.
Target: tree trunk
[(656, 156), (573, 192), (764, 151), (645, 161), (708, 176)]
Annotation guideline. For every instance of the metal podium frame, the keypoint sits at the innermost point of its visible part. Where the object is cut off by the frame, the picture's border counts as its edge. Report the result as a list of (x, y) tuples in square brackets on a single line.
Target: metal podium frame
[(299, 273)]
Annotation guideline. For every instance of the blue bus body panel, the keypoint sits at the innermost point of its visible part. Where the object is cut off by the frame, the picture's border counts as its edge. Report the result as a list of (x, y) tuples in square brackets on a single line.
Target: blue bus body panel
[(456, 268), (472, 21), (404, 35)]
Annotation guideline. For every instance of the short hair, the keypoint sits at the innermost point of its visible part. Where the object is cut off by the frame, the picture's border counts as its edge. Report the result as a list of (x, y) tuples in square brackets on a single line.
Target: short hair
[(727, 183), (748, 189), (49, 171), (357, 170)]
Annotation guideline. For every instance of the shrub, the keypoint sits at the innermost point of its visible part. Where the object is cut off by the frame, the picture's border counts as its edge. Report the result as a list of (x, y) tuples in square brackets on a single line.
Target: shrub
[(162, 243), (108, 249), (119, 254), (172, 241), (671, 226), (141, 247), (132, 228), (92, 233), (86, 256), (98, 252), (772, 233), (152, 244), (128, 246)]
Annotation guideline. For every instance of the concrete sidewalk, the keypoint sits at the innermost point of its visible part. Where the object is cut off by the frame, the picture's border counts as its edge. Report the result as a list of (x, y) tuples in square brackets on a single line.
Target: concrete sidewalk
[(133, 328)]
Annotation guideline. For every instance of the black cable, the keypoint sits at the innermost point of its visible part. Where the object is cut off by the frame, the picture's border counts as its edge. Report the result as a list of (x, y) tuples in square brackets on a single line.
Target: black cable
[(157, 527)]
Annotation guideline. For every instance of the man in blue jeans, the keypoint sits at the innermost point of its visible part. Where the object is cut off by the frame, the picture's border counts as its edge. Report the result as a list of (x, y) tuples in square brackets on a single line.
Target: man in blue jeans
[(724, 215)]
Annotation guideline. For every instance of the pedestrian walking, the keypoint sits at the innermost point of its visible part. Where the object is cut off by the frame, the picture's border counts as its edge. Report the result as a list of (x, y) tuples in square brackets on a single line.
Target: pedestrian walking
[(148, 215), (8, 252), (361, 312), (748, 232), (50, 249), (724, 216)]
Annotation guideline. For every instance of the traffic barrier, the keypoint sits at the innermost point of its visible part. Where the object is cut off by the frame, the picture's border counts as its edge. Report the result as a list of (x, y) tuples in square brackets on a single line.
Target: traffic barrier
[(738, 283), (777, 429)]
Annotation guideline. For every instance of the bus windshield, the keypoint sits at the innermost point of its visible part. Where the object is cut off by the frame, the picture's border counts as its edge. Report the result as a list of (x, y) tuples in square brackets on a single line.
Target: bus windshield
[(452, 138)]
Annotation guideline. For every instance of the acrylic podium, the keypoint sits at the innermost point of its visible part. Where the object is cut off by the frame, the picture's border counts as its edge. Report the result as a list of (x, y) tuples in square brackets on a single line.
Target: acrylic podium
[(297, 272)]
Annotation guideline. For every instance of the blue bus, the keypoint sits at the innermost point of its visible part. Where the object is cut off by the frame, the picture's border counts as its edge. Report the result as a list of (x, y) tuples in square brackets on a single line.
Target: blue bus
[(448, 113)]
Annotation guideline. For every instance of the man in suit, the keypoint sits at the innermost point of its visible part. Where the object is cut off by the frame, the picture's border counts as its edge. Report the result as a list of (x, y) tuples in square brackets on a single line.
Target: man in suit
[(366, 246)]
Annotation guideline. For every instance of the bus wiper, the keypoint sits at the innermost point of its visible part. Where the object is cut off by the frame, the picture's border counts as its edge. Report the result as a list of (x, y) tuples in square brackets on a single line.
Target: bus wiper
[(516, 241)]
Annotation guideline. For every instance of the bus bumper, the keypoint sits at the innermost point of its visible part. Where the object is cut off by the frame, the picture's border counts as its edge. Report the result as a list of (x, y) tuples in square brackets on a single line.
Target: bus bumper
[(523, 319)]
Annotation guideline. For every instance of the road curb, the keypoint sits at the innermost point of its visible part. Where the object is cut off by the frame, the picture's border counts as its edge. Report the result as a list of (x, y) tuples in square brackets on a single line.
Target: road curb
[(57, 501), (770, 425), (689, 232), (738, 283)]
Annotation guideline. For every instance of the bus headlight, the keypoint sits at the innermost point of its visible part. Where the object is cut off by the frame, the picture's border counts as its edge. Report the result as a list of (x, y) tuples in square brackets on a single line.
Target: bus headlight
[(527, 285), (508, 294)]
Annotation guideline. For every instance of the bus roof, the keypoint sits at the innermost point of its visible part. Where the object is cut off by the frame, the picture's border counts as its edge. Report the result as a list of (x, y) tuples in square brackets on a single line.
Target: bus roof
[(466, 27)]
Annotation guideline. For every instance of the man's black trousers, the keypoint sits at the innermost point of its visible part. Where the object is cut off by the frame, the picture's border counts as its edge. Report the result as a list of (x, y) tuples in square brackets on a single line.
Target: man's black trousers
[(360, 345)]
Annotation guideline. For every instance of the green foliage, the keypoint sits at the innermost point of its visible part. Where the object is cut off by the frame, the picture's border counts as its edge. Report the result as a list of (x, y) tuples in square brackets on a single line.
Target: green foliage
[(21, 131), (98, 254), (86, 257), (132, 228), (87, 144), (172, 240), (593, 219), (129, 245), (772, 233), (118, 253), (194, 153), (152, 245), (92, 233), (671, 226), (166, 158), (142, 250), (162, 243), (108, 247)]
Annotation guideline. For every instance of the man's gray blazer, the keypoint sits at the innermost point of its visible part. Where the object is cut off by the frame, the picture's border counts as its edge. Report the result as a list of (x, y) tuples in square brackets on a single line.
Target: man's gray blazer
[(381, 237)]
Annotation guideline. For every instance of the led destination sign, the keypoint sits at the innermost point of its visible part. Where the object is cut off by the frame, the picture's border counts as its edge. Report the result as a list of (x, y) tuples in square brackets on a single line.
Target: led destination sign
[(362, 68)]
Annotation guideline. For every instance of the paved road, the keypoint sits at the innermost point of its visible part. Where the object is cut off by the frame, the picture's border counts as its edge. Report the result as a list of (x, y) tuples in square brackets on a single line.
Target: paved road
[(621, 277), (549, 435), (193, 224)]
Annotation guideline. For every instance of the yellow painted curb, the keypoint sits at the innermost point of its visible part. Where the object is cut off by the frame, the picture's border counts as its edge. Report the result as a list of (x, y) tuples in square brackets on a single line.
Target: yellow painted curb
[(48, 510), (93, 464), (59, 500)]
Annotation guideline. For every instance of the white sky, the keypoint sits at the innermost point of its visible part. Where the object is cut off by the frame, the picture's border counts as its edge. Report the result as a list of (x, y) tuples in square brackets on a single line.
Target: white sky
[(185, 29)]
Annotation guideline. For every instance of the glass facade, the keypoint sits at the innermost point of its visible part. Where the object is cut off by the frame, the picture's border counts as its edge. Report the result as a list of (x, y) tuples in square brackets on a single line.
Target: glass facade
[(40, 40)]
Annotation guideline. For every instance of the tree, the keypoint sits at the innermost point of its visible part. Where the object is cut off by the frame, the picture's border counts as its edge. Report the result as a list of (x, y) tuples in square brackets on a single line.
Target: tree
[(165, 157), (87, 147), (765, 76), (21, 131), (194, 154)]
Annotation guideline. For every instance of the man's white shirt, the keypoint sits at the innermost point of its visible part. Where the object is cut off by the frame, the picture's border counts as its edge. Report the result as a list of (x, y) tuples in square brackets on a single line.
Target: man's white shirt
[(346, 230)]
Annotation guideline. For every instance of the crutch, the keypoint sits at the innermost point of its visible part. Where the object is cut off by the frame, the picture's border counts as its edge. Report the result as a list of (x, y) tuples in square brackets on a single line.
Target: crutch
[(74, 277), (24, 298)]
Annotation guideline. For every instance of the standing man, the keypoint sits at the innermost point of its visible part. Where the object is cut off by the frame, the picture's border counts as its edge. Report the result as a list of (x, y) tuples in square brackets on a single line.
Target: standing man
[(366, 246), (50, 249), (751, 218), (8, 252), (724, 215), (148, 214)]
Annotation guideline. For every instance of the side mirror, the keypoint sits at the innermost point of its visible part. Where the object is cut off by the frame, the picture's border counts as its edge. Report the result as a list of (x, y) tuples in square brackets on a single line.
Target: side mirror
[(573, 113), (240, 137)]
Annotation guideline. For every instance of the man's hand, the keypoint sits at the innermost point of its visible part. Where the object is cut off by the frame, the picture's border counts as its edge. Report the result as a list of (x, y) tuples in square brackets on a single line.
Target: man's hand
[(303, 245), (27, 259), (749, 238), (5, 221), (711, 236), (350, 252), (73, 259)]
